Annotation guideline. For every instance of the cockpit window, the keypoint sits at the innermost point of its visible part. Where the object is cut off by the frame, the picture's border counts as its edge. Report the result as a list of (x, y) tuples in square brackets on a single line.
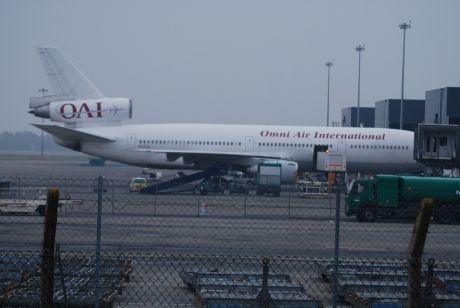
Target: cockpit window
[(358, 188)]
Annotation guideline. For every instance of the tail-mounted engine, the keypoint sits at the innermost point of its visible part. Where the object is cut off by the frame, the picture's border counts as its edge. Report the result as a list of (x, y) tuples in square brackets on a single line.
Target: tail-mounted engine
[(81, 111), (288, 170)]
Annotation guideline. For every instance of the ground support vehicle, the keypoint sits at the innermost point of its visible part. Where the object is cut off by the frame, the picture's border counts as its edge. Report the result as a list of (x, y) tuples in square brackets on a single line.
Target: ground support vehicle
[(268, 179), (23, 202), (212, 185), (238, 188), (137, 184), (153, 174), (22, 206), (312, 186), (392, 196)]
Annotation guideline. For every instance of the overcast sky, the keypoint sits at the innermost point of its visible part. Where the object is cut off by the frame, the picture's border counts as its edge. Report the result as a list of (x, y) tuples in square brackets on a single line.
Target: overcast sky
[(259, 62)]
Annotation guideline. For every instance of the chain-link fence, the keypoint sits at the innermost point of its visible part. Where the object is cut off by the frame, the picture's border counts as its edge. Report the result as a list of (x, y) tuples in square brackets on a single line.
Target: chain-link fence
[(193, 250)]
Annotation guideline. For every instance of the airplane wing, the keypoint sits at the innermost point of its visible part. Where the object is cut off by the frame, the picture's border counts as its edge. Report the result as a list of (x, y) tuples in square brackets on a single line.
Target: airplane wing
[(71, 134), (178, 153)]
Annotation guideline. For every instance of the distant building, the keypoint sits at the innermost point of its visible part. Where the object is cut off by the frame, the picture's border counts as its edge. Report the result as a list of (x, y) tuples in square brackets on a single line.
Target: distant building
[(350, 115), (387, 113), (442, 106)]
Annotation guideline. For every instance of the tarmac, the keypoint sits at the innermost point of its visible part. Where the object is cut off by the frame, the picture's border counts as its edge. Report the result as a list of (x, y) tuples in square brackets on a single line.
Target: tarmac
[(163, 235)]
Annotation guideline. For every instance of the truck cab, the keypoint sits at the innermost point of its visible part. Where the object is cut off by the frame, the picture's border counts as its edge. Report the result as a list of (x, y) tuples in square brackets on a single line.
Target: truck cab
[(361, 196)]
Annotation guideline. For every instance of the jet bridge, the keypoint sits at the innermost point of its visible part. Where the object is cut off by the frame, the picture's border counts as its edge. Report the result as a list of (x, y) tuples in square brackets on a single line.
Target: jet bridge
[(438, 147)]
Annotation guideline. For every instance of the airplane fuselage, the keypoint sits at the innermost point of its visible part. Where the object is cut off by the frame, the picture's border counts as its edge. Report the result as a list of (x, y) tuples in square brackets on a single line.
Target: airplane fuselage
[(175, 146)]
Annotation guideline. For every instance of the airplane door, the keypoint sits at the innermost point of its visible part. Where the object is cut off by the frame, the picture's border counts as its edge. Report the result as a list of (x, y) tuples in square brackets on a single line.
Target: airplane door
[(341, 146), (249, 144), (131, 142)]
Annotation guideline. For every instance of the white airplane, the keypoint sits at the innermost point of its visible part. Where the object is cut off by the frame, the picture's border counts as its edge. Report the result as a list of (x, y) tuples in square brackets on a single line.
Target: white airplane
[(93, 125)]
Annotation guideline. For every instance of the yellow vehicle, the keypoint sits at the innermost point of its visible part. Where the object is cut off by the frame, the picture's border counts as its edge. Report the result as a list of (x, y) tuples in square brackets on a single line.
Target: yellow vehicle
[(137, 184)]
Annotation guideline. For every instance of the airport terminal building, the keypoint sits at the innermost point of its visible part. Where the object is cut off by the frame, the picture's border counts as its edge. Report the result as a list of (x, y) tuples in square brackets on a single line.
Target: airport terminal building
[(350, 116), (388, 113), (440, 106), (443, 106)]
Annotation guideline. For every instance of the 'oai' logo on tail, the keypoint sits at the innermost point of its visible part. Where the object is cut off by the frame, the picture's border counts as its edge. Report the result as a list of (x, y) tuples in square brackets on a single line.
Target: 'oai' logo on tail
[(76, 111)]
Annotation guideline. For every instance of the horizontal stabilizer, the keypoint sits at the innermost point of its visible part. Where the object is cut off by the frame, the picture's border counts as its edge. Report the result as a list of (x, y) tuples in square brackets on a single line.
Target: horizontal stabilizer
[(71, 134)]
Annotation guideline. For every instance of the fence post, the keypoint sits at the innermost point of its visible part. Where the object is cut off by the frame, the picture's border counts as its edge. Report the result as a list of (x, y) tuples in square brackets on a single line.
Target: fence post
[(330, 207), (245, 203), (264, 294), (415, 251), (61, 274), (98, 239), (428, 294), (66, 193), (113, 195), (49, 237), (336, 245), (289, 205), (156, 197)]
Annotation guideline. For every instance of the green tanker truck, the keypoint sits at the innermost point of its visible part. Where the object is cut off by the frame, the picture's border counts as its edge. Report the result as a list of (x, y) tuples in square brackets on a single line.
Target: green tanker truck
[(392, 196)]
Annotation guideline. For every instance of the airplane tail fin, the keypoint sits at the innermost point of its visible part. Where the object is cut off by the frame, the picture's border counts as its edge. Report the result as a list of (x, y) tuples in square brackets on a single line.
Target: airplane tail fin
[(65, 78), (76, 101)]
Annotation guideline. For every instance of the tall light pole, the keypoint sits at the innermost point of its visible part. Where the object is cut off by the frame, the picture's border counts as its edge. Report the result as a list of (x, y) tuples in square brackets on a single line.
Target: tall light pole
[(359, 49), (328, 64), (42, 148), (404, 27)]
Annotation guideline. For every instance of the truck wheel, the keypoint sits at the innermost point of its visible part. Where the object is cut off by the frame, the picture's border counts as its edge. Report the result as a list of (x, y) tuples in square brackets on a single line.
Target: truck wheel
[(443, 215), (368, 214)]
